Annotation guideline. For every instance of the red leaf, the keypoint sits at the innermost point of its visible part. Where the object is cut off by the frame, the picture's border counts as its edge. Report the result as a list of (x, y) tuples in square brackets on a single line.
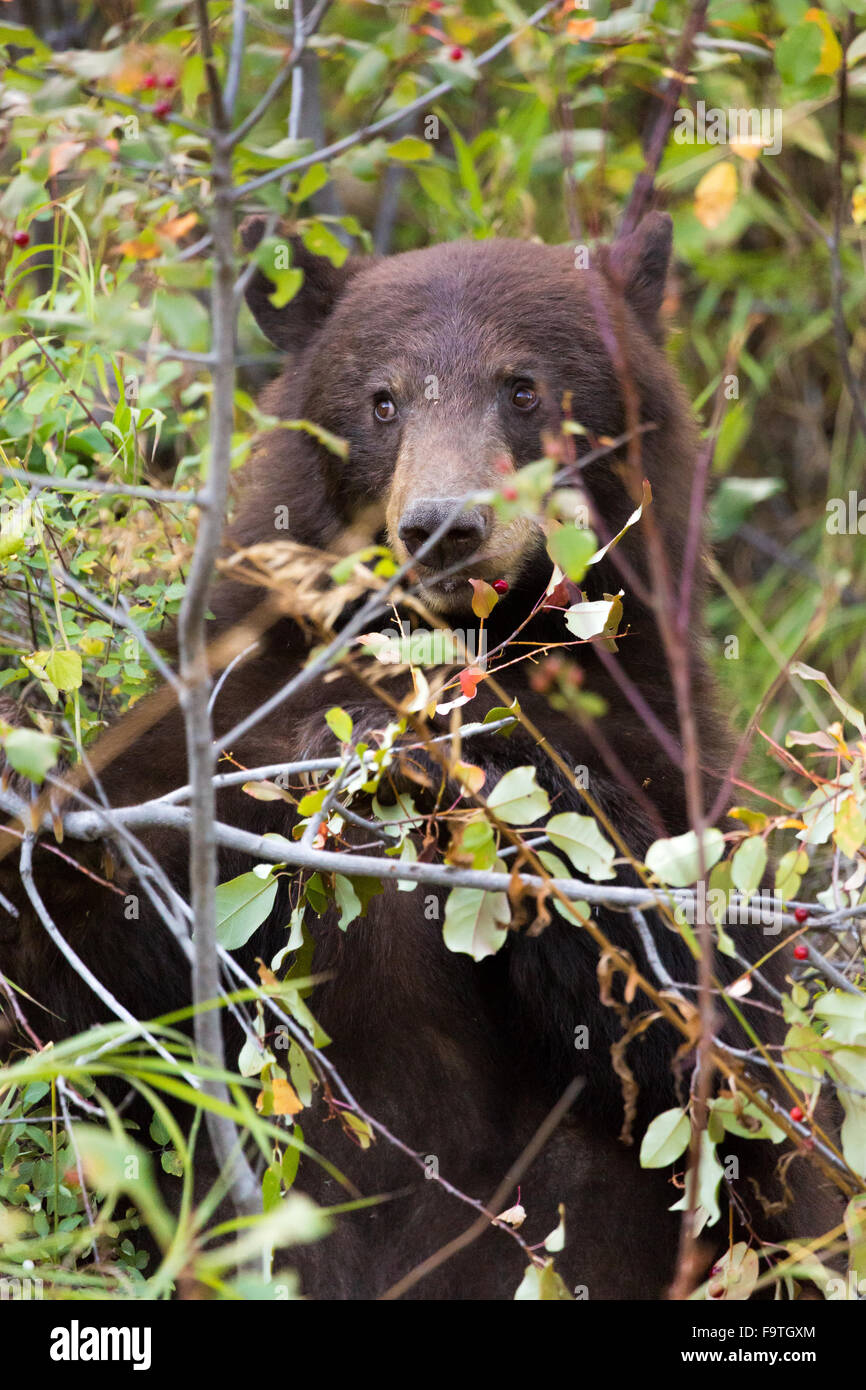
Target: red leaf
[(469, 679)]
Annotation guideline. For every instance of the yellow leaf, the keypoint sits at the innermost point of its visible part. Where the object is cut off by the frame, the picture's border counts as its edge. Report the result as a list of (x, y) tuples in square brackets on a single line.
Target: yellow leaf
[(484, 598), (286, 1101), (140, 249), (831, 49), (751, 150), (849, 827), (716, 194), (754, 820), (858, 205), (470, 777), (580, 28), (177, 227)]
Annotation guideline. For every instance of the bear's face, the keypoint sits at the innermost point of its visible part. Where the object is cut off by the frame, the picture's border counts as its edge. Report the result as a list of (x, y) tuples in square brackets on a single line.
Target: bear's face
[(445, 370)]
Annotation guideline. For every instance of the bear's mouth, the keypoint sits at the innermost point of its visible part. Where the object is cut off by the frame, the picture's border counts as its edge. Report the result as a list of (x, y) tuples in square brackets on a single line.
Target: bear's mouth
[(446, 591), (450, 591)]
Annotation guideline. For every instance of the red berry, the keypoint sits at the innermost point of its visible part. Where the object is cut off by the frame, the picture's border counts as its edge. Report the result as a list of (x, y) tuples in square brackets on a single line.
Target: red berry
[(801, 952), (148, 81), (801, 914), (796, 1114), (167, 82), (435, 5), (161, 109), (456, 54), (21, 238), (509, 492), (500, 586)]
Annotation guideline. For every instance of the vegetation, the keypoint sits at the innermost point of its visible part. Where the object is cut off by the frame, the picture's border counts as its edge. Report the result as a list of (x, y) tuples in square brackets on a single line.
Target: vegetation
[(424, 122)]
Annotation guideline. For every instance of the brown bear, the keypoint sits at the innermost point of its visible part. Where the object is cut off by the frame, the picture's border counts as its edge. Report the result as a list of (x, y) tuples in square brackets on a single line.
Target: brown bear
[(446, 370)]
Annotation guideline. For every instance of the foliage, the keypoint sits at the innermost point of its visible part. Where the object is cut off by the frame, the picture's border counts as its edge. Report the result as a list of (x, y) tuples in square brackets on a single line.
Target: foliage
[(105, 215)]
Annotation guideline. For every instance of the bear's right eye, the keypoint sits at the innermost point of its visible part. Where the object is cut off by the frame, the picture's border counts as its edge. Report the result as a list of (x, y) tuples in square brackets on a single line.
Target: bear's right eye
[(384, 408)]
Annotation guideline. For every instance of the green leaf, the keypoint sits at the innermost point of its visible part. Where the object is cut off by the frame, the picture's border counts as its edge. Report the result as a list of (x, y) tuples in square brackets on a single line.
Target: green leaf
[(475, 921), (347, 901), (789, 874), (493, 716), (340, 723), (666, 1138), (31, 753), (321, 241), (105, 1158), (542, 1285), (39, 397), (345, 568), (19, 36), (242, 905), (710, 1174), (64, 670), (312, 181), (555, 867), (798, 52), (332, 442), (580, 838), (720, 883), (735, 1274), (289, 281), (183, 321), (734, 498), (517, 798), (193, 81), (571, 548), (410, 148), (367, 73), (808, 673), (23, 194), (748, 865), (743, 1118), (675, 861)]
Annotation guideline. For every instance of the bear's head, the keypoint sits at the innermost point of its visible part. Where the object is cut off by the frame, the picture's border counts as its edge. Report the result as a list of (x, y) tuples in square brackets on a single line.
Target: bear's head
[(446, 369)]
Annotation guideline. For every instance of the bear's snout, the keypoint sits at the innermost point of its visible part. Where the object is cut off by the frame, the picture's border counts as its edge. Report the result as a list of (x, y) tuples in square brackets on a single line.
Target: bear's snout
[(463, 533)]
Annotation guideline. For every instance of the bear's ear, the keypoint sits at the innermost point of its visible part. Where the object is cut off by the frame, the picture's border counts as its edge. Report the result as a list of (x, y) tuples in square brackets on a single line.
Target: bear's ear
[(638, 263), (290, 328)]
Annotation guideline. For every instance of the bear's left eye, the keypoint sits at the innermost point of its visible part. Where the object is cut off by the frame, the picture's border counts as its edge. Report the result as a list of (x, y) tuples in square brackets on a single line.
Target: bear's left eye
[(523, 396), (384, 408)]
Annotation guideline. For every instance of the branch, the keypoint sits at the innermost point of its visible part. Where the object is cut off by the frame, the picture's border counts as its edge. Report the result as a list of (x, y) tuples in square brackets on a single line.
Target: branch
[(273, 849), (642, 192), (51, 483), (194, 666)]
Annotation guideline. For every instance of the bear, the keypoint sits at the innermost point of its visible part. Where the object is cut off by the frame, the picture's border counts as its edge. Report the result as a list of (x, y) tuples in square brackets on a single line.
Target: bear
[(447, 370)]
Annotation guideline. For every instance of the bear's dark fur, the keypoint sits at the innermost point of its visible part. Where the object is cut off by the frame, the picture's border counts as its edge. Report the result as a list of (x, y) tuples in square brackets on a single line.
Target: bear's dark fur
[(461, 1060)]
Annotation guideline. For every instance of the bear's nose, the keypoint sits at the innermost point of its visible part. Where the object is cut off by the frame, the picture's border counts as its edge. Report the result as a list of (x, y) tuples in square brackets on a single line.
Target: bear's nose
[(465, 535)]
